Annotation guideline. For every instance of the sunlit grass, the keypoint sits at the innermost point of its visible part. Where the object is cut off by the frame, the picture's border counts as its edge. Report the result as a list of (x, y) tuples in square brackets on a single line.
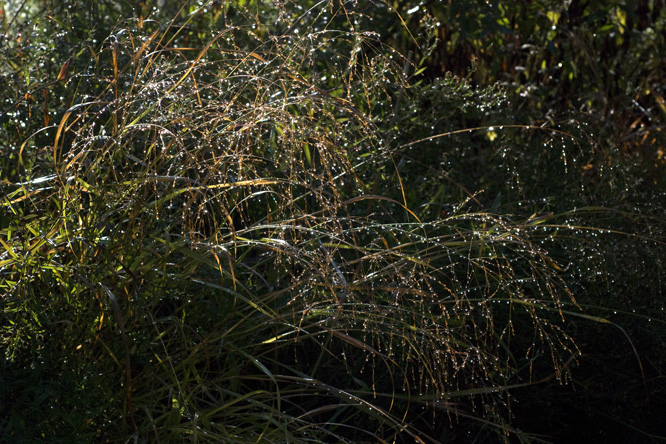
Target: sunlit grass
[(205, 256)]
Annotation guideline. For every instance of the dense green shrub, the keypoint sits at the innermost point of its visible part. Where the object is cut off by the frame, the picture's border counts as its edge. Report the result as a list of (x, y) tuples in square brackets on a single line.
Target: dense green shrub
[(586, 75)]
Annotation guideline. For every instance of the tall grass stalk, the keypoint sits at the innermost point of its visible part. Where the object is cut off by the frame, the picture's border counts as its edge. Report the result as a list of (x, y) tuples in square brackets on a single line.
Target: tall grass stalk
[(199, 254)]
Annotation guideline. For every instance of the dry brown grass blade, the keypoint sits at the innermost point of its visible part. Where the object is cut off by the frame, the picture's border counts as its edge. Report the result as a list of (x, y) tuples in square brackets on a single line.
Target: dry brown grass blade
[(62, 75)]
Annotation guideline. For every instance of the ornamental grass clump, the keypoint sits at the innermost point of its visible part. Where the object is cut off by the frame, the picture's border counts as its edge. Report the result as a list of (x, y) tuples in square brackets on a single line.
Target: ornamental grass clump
[(204, 250)]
